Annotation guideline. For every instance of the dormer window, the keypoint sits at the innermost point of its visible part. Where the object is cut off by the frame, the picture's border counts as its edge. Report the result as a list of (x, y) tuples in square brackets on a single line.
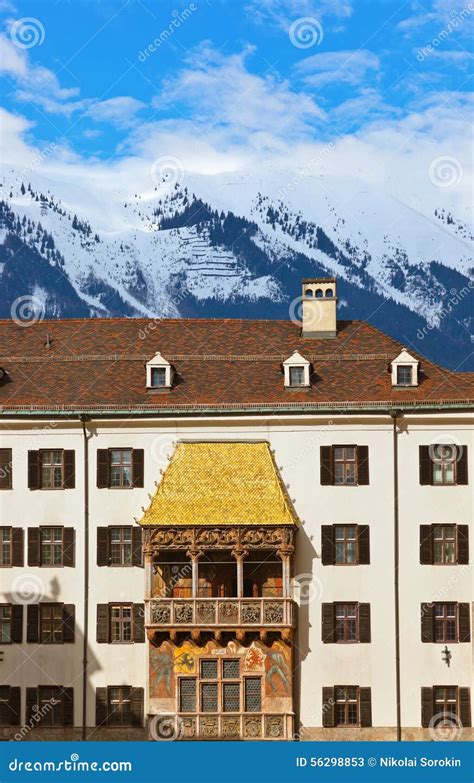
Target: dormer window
[(296, 371), (159, 373), (404, 370)]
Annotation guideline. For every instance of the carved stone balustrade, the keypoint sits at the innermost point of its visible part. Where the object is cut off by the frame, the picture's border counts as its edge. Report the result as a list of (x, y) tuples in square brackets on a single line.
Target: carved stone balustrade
[(182, 613)]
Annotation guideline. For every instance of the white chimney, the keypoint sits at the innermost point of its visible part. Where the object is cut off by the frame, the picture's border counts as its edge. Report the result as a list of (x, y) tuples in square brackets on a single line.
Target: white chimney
[(319, 307)]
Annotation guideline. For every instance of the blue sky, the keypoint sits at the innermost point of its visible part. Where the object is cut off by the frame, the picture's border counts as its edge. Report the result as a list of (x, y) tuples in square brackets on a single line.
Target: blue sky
[(222, 85), (370, 63)]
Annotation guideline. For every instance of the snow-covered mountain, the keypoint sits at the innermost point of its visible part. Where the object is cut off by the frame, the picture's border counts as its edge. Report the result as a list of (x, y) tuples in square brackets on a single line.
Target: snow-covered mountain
[(238, 246)]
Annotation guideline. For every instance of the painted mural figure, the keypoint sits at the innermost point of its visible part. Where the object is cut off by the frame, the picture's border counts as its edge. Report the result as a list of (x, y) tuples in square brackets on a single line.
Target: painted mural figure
[(277, 669)]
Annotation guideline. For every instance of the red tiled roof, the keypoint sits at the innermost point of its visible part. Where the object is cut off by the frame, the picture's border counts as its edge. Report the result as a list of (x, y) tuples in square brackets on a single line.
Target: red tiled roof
[(99, 363)]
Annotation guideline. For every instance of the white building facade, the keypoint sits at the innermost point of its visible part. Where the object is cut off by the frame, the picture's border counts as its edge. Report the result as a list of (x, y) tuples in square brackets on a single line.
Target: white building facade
[(347, 560)]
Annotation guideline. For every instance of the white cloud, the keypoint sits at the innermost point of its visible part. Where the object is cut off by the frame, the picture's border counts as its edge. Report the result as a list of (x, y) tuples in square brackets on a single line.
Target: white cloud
[(281, 13), (350, 66), (120, 111), (12, 59)]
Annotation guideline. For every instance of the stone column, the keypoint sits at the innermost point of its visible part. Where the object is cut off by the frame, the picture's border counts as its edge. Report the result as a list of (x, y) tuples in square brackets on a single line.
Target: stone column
[(194, 555), (148, 561), (240, 555)]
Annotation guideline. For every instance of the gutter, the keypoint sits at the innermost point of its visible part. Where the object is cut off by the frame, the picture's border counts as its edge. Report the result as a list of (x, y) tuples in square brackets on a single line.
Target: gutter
[(85, 640), (396, 568)]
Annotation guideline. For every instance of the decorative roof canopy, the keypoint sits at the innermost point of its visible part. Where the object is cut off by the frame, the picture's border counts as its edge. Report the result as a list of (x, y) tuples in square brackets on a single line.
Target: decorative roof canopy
[(221, 484)]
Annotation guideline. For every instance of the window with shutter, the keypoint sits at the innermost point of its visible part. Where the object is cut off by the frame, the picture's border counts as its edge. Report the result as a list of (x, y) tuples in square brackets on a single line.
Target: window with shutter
[(33, 470), (327, 618), (33, 546), (6, 546), (345, 543), (54, 706), (462, 544), (17, 623), (464, 622), (5, 623), (327, 545), (138, 467), (9, 704), (51, 623), (119, 706), (17, 546), (328, 708), (102, 546), (6, 469), (32, 624), (346, 705)]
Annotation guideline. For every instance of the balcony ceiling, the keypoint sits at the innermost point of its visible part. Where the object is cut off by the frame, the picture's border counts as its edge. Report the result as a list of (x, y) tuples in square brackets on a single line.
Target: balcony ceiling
[(216, 483)]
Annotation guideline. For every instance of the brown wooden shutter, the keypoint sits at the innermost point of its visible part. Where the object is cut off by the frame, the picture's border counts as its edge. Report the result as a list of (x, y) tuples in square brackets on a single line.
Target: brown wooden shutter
[(464, 619), (14, 703), (426, 469), (138, 622), (69, 622), (327, 545), (364, 623), (32, 623), (461, 471), (17, 623), (6, 469), (328, 707), (426, 706), (327, 623), (100, 706), (102, 468), (69, 469), (136, 711), (102, 624), (31, 704), (426, 544), (362, 465), (17, 546), (427, 629), (102, 546), (68, 706), (33, 470), (327, 477), (137, 546), (34, 537), (138, 460), (68, 547), (365, 706), (463, 544), (465, 706), (363, 536)]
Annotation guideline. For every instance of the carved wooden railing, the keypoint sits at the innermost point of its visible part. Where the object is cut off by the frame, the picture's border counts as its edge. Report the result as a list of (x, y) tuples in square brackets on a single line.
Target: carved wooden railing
[(219, 612), (235, 726)]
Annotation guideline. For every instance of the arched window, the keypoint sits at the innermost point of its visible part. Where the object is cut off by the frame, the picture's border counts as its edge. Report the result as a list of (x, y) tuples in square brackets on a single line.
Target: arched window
[(329, 292), (308, 293), (319, 293)]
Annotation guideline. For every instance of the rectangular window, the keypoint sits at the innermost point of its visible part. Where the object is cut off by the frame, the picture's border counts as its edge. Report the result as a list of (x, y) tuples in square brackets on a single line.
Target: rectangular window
[(120, 467), (231, 669), (444, 463), (345, 538), (445, 702), (346, 623), (209, 670), (404, 375), (6, 554), (347, 706), (119, 706), (209, 695), (5, 623), (444, 544), (445, 622), (51, 546), (253, 694), (345, 465), (231, 696), (51, 705), (296, 376), (187, 694), (52, 471), (7, 718), (51, 623), (6, 469), (158, 377), (120, 541), (121, 623)]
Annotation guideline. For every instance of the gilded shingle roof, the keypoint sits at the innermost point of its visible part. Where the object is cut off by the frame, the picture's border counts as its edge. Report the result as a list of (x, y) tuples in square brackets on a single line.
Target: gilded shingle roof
[(220, 484)]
